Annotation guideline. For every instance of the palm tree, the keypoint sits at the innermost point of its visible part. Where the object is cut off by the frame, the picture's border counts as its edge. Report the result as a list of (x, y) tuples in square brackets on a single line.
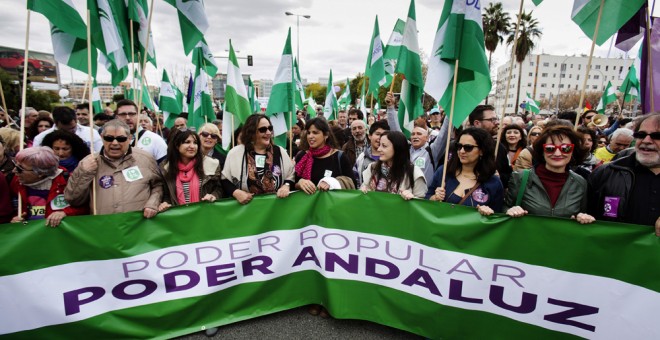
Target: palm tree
[(496, 27), (527, 33)]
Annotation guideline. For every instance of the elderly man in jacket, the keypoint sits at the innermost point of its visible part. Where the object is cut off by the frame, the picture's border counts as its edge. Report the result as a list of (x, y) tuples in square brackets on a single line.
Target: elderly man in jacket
[(126, 178)]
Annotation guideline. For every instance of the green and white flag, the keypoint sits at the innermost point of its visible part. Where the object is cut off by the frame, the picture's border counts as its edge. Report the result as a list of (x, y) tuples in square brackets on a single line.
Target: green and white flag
[(331, 106), (311, 106), (281, 103), (203, 58), (110, 34), (537, 2), (192, 20), (345, 98), (169, 101), (97, 102), (200, 108), (252, 95), (237, 103), (300, 90), (615, 14), (391, 52), (609, 96), (134, 92), (363, 106), (409, 66), (138, 12), (68, 33), (375, 69), (532, 105), (630, 86), (459, 38)]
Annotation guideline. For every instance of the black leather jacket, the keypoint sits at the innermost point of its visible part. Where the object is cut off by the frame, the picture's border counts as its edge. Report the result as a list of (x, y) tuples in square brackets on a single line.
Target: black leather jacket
[(615, 179)]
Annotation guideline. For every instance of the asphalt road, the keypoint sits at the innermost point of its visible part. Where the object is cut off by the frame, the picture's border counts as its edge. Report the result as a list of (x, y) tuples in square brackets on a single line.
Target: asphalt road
[(297, 323)]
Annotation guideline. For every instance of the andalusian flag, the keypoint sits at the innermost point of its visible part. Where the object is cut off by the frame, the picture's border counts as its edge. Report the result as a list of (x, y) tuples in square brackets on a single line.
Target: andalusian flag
[(237, 103), (345, 99), (200, 108), (169, 101), (531, 105), (615, 14), (133, 92), (409, 66), (110, 34), (537, 2), (391, 52), (331, 106), (138, 12), (252, 96), (363, 105), (609, 96), (630, 86), (299, 96), (311, 106), (192, 20), (281, 104), (460, 38), (68, 33), (203, 58), (375, 69), (97, 102)]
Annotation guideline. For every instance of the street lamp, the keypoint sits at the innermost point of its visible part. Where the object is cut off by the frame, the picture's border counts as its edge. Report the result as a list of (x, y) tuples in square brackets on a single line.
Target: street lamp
[(298, 32), (562, 70)]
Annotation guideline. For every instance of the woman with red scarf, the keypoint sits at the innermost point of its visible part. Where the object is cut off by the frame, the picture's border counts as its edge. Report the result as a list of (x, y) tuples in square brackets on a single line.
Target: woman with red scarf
[(190, 176), (322, 167), (256, 166)]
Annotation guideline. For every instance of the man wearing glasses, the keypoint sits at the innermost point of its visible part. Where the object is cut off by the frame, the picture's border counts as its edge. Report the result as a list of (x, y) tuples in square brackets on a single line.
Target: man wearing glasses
[(484, 117), (628, 189), (126, 178), (65, 119), (145, 140)]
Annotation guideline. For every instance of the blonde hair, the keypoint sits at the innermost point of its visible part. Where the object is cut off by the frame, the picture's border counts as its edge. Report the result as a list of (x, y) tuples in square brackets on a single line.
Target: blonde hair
[(209, 127), (11, 138)]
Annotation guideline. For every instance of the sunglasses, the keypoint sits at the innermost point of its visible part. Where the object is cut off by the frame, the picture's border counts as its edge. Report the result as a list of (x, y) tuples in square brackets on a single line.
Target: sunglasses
[(466, 147), (119, 139), (535, 134), (642, 135), (207, 135), (563, 148), (263, 129), (19, 169), (589, 117)]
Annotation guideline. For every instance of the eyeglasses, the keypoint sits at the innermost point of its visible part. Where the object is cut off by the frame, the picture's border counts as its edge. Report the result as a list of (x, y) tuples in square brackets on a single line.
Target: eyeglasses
[(466, 147), (207, 135), (119, 139), (642, 135), (563, 148), (535, 134), (602, 142), (492, 120), (19, 169), (124, 114), (263, 129)]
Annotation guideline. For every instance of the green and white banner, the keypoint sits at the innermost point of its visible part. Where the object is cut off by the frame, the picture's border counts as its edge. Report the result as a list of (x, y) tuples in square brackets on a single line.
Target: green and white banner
[(434, 269)]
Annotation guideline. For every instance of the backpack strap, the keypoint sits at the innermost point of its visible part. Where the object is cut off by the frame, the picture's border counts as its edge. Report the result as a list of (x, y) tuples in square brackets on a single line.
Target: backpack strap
[(523, 185), (428, 149), (339, 154)]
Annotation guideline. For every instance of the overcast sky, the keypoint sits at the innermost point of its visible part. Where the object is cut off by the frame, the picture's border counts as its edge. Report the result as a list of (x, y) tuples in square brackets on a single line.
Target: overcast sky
[(337, 35)]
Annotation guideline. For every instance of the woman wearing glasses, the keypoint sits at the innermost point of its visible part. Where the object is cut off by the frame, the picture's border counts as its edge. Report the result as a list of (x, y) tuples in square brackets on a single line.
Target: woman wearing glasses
[(550, 188), (470, 178), (209, 134), (256, 166)]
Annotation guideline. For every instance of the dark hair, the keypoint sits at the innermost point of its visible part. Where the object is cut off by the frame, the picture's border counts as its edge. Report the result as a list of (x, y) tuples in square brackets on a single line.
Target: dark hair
[(102, 116), (33, 130), (173, 155), (322, 125), (584, 114), (557, 121), (478, 113), (568, 115), (82, 106), (340, 137), (485, 167), (652, 116), (379, 124), (357, 112), (63, 115), (585, 130), (522, 143), (559, 131), (250, 130), (125, 102), (79, 149), (401, 165)]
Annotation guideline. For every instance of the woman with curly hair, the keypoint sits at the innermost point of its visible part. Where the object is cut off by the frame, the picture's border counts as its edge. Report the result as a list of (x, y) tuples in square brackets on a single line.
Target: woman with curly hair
[(68, 147), (40, 125)]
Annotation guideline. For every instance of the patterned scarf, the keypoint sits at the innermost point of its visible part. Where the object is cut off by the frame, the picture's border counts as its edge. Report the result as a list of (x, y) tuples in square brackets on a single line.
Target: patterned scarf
[(188, 175), (267, 182), (382, 182), (304, 167)]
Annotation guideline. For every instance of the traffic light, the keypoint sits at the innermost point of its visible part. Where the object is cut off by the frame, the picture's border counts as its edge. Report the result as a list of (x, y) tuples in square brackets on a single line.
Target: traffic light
[(20, 69), (249, 60)]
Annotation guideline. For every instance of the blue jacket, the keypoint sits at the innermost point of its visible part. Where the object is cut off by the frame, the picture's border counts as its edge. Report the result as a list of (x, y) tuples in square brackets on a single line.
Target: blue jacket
[(490, 193)]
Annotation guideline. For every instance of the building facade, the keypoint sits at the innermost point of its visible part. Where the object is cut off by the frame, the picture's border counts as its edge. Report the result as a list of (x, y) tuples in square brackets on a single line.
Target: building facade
[(77, 91), (219, 85)]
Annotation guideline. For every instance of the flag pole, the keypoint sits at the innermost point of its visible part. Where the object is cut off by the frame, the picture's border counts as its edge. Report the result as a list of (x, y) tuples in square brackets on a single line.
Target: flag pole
[(4, 103), (132, 59), (649, 55), (23, 102), (91, 121), (508, 81), (591, 56), (82, 99), (138, 99), (451, 119), (143, 63), (391, 85), (233, 142), (290, 136)]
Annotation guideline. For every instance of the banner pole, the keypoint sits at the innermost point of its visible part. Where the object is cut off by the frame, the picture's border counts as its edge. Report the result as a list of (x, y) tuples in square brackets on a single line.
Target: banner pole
[(451, 122), (23, 101), (649, 55), (508, 81), (91, 120), (233, 142), (143, 62), (290, 135), (591, 56)]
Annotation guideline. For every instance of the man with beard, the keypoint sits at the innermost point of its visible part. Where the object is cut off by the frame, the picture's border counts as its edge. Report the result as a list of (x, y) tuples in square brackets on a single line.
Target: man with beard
[(484, 117), (145, 140), (628, 189), (370, 153), (357, 142)]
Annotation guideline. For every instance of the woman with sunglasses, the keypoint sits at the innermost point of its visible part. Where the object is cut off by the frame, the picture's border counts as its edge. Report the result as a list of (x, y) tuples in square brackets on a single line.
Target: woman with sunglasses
[(524, 160), (470, 179), (550, 188), (41, 182), (257, 166), (209, 134), (322, 166), (190, 176), (393, 172)]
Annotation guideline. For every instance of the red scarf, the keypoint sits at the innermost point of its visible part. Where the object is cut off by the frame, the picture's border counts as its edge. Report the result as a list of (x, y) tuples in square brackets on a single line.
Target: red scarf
[(188, 175), (304, 166)]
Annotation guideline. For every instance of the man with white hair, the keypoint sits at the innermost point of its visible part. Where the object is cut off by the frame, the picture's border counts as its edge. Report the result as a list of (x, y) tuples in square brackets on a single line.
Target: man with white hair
[(146, 123), (357, 141), (619, 141)]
